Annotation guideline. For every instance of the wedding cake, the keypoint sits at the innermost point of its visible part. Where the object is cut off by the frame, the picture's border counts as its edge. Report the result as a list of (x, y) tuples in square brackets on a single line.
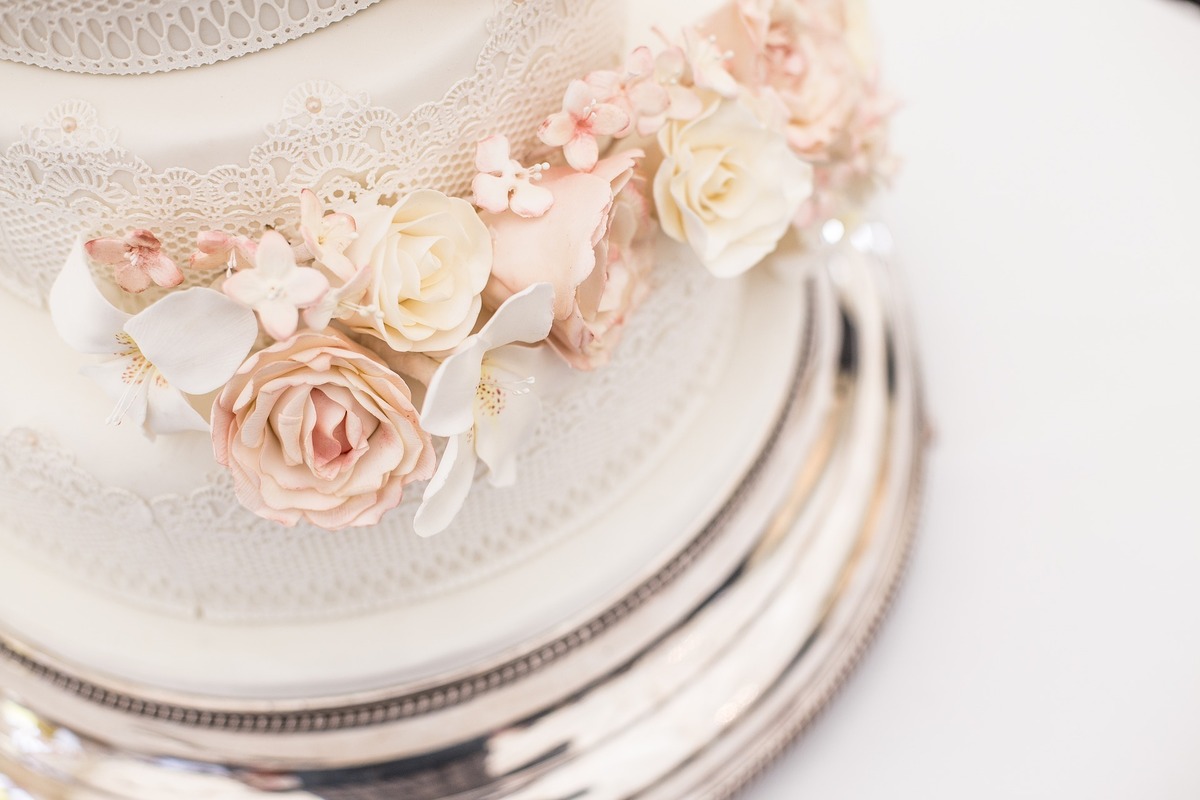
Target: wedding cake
[(383, 377)]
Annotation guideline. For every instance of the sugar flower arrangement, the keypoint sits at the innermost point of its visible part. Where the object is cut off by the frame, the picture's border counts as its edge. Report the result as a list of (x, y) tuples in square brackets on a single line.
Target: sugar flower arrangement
[(302, 358)]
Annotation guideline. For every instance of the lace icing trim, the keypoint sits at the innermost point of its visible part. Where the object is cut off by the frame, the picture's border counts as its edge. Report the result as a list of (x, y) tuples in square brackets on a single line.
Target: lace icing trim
[(111, 37), (203, 554), (68, 175)]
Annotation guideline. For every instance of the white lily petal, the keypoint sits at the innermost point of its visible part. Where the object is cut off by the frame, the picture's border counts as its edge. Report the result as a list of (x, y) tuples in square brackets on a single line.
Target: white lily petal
[(499, 436), (546, 372), (524, 317), (448, 489), (498, 440), (196, 338), (113, 377), (168, 411), (82, 315), (450, 398)]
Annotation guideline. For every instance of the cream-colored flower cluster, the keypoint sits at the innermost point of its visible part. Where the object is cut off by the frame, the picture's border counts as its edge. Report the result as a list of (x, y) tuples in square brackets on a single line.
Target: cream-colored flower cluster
[(762, 118)]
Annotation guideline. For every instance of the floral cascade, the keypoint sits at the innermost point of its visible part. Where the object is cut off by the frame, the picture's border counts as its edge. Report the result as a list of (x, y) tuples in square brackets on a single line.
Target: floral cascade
[(307, 360)]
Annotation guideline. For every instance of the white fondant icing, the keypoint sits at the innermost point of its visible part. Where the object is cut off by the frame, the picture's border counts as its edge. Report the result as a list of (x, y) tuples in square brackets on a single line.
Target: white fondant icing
[(670, 492), (158, 525), (401, 53)]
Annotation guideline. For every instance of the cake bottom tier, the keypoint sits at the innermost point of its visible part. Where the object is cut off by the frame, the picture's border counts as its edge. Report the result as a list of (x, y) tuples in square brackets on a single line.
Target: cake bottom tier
[(680, 686)]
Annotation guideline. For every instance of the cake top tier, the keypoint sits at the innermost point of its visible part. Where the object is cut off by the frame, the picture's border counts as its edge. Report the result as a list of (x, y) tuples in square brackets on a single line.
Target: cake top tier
[(111, 37)]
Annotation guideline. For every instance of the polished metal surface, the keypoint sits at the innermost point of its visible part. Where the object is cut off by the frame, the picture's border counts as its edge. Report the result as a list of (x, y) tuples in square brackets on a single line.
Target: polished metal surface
[(684, 686)]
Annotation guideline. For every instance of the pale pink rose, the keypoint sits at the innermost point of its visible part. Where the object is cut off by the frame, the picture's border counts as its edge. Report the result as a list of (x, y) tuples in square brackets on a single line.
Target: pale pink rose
[(807, 57), (588, 337), (586, 247), (315, 428)]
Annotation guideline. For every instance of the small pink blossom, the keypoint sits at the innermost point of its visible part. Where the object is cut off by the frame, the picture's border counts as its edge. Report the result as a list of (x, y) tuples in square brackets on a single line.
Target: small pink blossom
[(709, 63), (584, 116), (584, 248), (219, 250), (136, 259), (326, 236), (276, 288), (636, 91), (672, 73), (502, 183)]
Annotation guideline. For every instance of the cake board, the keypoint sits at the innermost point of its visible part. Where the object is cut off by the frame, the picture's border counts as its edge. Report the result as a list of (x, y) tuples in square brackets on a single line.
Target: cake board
[(685, 687)]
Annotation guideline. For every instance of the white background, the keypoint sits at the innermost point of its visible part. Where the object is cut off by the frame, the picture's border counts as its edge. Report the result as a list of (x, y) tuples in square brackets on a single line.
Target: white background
[(1046, 643)]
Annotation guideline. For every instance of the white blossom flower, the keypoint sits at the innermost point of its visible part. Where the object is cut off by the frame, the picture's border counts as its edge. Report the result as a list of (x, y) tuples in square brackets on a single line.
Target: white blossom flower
[(276, 288), (326, 236), (187, 343), (485, 398)]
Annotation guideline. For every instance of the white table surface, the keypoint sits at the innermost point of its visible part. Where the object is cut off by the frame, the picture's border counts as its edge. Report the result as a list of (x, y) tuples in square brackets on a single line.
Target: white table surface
[(1046, 643)]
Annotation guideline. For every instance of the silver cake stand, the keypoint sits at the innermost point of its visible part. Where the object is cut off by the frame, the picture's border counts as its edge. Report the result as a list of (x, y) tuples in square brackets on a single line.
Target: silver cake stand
[(686, 686)]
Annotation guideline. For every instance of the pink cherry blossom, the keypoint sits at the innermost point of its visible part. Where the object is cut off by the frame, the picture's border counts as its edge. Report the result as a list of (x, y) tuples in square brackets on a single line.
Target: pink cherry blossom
[(673, 75), (584, 116), (136, 259), (276, 288), (502, 183), (636, 91), (219, 250)]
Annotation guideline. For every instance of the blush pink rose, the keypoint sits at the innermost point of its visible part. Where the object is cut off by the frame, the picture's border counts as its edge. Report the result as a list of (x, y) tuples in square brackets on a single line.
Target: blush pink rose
[(809, 58), (589, 246), (315, 428)]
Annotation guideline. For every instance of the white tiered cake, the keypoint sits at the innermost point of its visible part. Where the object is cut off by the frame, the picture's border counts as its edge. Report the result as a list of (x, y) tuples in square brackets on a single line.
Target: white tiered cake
[(245, 590)]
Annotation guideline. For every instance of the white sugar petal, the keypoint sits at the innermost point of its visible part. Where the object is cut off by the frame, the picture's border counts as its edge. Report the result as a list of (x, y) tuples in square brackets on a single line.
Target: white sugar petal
[(499, 437), (168, 411), (448, 489), (274, 259), (450, 398), (83, 317), (305, 286), (126, 385), (524, 317), (492, 154), (246, 287), (539, 367), (196, 338)]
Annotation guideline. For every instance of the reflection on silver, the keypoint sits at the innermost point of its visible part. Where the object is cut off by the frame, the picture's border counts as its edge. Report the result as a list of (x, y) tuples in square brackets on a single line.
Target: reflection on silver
[(684, 688)]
